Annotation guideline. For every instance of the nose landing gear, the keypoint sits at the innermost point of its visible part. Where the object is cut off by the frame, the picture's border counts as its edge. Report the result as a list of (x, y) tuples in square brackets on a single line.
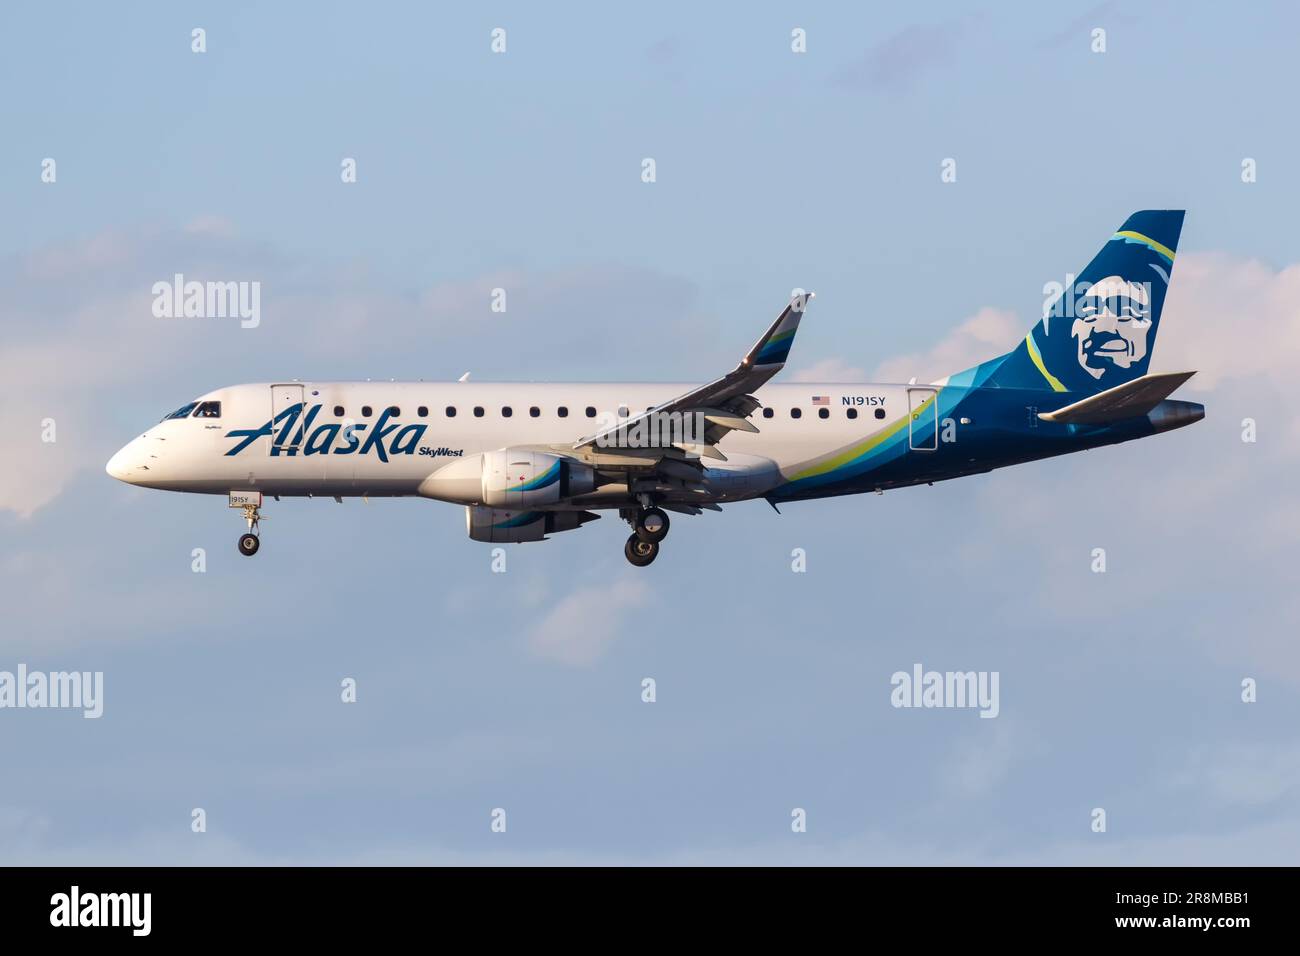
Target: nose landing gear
[(249, 542)]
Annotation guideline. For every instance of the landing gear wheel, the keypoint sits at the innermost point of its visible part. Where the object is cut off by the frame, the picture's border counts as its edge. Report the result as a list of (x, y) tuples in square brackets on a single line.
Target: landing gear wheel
[(639, 552), (249, 543), (652, 525)]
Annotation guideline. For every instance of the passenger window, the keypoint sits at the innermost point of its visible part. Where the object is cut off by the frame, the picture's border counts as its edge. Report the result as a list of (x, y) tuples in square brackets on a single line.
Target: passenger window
[(338, 411), (622, 411), (451, 411), (591, 411), (823, 413), (365, 411), (562, 412), (768, 413), (505, 411), (478, 411), (208, 410), (395, 412), (535, 412), (796, 412), (880, 413), (852, 413), (423, 411)]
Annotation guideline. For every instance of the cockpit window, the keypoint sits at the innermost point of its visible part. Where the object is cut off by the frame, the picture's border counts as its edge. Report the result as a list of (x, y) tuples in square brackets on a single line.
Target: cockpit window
[(208, 410), (182, 412)]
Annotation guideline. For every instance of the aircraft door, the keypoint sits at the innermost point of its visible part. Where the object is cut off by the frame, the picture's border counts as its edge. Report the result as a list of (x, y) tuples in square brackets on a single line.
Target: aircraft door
[(923, 419), (284, 397)]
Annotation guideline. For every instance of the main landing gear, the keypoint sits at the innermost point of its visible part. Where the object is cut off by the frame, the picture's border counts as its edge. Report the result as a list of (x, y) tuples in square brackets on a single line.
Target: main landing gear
[(649, 527), (249, 542), (639, 552)]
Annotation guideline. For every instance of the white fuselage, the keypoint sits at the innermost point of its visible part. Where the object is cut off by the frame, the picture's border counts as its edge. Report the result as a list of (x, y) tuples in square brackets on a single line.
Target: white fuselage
[(430, 444)]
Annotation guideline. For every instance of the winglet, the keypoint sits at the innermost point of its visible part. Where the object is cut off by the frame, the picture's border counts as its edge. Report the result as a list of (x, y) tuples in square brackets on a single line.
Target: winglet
[(726, 402), (774, 346)]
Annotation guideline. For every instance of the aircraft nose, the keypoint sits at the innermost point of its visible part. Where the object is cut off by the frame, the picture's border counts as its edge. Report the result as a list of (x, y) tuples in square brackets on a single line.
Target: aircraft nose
[(124, 466)]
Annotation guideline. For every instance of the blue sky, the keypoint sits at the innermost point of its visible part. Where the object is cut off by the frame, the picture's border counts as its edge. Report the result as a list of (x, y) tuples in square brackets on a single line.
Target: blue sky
[(523, 690)]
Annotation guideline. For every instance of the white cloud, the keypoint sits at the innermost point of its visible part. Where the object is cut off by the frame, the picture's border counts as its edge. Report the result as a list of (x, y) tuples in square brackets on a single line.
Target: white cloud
[(988, 333), (1230, 319), (581, 627), (829, 370)]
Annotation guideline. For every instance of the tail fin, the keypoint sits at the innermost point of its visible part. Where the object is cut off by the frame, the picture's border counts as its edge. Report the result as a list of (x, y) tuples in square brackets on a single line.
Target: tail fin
[(1101, 331)]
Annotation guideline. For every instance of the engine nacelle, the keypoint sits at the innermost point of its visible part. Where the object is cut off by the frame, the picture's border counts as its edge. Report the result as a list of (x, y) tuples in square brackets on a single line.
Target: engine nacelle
[(502, 526), (517, 480)]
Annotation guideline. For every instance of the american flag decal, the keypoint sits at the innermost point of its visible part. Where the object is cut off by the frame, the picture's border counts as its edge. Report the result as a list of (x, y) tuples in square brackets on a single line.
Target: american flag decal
[(821, 400)]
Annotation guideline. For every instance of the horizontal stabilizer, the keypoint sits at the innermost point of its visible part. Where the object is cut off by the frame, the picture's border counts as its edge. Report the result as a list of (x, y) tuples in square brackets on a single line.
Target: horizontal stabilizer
[(1130, 400)]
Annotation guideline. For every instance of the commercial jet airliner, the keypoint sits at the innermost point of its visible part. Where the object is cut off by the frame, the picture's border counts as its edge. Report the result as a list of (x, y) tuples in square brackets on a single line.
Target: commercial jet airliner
[(530, 460)]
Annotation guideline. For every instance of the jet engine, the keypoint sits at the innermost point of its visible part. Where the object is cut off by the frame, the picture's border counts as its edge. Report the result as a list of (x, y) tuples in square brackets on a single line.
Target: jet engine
[(518, 480), (502, 526)]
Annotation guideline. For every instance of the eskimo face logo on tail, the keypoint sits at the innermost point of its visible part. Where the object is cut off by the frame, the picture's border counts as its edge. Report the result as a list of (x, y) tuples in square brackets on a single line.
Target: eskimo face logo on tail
[(1112, 321), (332, 438), (1100, 329)]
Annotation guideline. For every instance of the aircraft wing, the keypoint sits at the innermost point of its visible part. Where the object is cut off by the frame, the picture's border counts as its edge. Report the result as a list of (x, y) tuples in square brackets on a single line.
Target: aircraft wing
[(1130, 400), (724, 405)]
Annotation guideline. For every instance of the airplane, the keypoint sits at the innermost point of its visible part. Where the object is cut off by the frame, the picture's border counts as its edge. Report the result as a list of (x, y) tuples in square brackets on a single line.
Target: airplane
[(530, 460)]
